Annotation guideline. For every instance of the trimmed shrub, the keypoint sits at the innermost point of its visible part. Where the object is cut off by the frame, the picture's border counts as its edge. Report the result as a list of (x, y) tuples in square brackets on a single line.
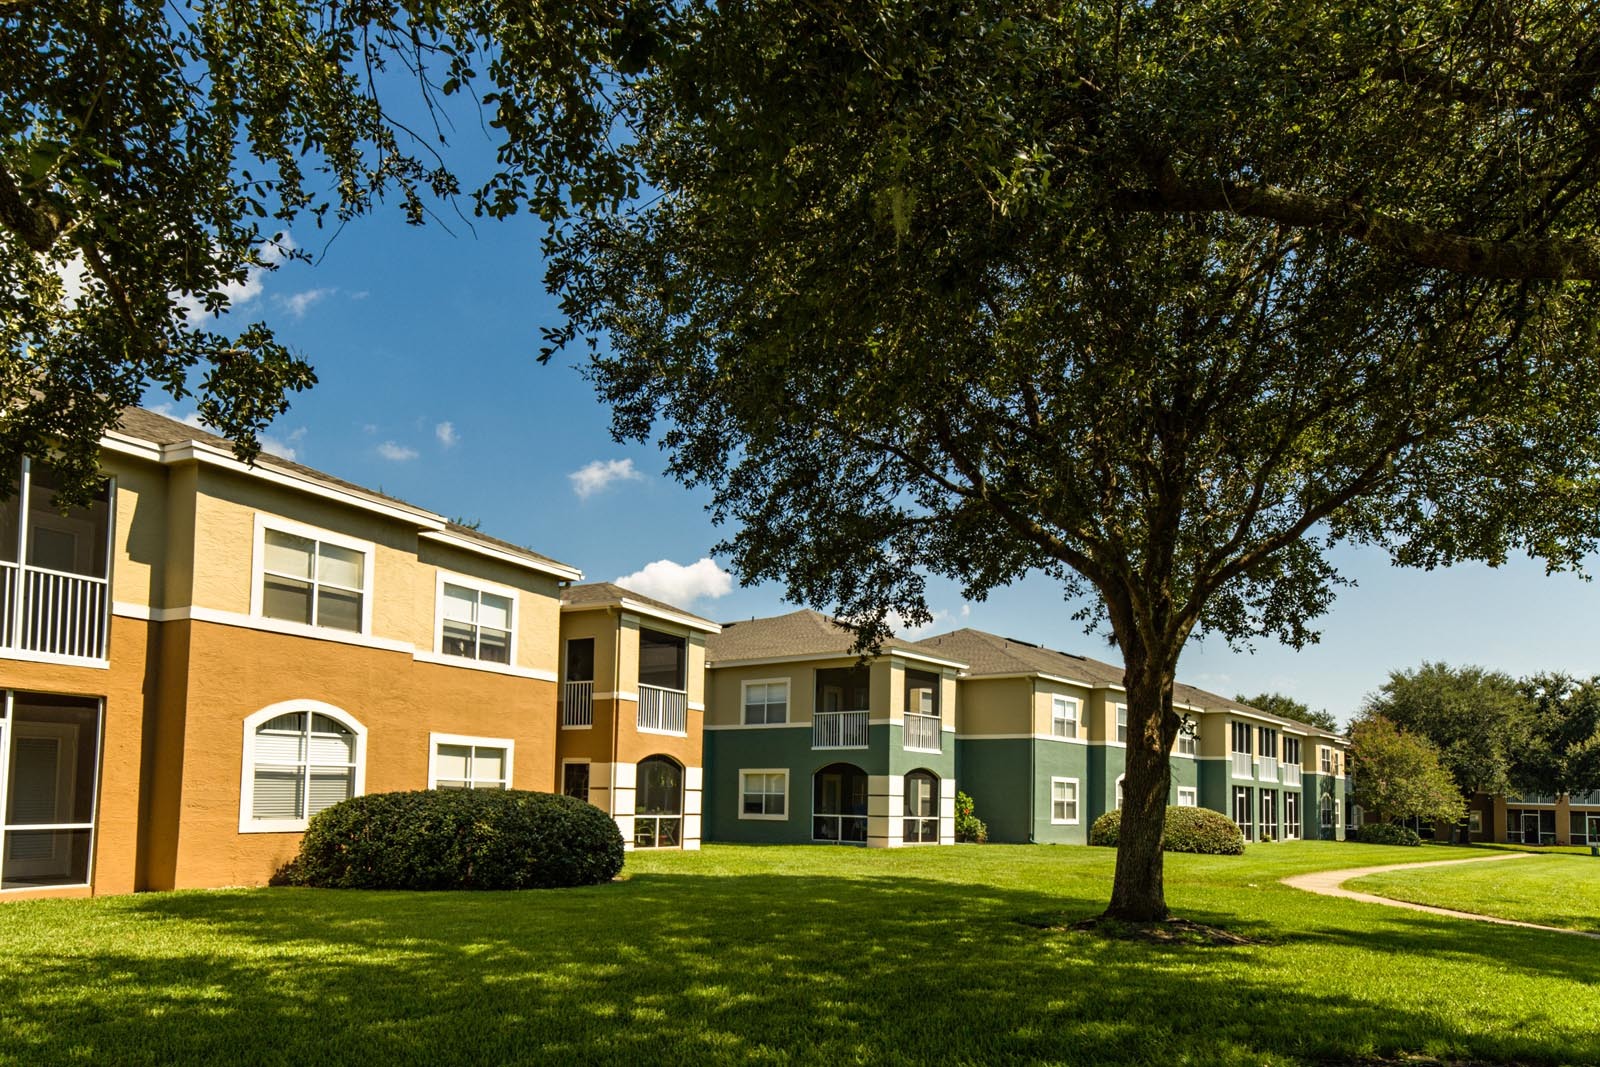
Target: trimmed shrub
[(1186, 830), (968, 826), (1384, 833), (457, 839)]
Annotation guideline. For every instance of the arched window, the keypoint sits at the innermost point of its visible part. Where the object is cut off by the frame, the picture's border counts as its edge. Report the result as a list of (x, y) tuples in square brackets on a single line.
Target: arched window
[(839, 804), (658, 804), (1120, 777), (922, 808), (299, 758)]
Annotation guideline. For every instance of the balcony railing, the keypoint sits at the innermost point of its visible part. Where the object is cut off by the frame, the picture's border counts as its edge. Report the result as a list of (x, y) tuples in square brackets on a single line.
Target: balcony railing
[(53, 612), (1267, 768), (922, 731), (1241, 765), (664, 711), (577, 704), (1291, 774), (839, 729)]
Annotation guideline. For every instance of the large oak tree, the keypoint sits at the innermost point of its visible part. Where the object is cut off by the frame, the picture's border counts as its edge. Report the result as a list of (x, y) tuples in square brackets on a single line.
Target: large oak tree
[(1161, 300)]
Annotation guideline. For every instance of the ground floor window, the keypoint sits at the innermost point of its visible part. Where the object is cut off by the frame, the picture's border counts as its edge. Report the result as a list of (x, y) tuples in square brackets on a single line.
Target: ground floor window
[(1269, 815), (1188, 797), (1064, 800), (922, 808), (1585, 827), (1325, 811), (658, 804), (303, 757), (470, 763), (764, 794), (1241, 810), (49, 773), (1531, 826), (575, 779), (839, 804), (1291, 816)]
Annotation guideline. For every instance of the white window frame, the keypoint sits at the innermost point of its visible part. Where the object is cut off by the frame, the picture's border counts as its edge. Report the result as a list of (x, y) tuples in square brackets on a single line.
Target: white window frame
[(744, 702), (367, 549), (1188, 796), (1119, 725), (787, 800), (561, 783), (435, 740), (1077, 802), (1193, 740), (477, 585), (1116, 795), (1057, 701), (247, 774)]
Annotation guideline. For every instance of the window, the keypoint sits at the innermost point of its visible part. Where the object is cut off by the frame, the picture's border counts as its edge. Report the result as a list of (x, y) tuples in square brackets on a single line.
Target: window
[(575, 779), (922, 693), (922, 808), (1268, 739), (476, 622), (49, 764), (580, 659), (1063, 801), (299, 758), (312, 578), (1188, 797), (839, 804), (1325, 812), (1063, 716), (766, 702), (662, 660), (1269, 815), (844, 689), (1291, 816), (1122, 723), (1120, 777), (1188, 738), (1291, 751), (658, 804), (1241, 737), (469, 762), (1327, 758), (1241, 810), (764, 794)]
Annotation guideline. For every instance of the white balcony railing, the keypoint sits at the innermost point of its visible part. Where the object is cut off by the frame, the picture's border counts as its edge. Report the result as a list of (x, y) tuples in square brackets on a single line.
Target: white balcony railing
[(1267, 768), (922, 732), (663, 711), (1291, 774), (577, 704), (1241, 765), (53, 612), (839, 729)]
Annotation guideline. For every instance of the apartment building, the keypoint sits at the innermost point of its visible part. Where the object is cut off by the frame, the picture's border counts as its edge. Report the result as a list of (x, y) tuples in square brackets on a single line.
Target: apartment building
[(212, 652), (632, 709)]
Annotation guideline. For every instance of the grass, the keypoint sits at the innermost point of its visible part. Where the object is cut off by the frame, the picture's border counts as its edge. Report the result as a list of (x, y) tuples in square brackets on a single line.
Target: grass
[(1553, 890), (794, 955), (1539, 850)]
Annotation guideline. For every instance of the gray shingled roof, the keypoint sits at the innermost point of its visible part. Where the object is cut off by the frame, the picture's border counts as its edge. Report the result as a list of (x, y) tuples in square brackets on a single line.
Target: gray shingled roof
[(161, 430), (598, 594), (799, 633)]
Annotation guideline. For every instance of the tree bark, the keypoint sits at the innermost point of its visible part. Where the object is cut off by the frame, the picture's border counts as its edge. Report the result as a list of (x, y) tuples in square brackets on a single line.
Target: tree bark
[(1138, 890)]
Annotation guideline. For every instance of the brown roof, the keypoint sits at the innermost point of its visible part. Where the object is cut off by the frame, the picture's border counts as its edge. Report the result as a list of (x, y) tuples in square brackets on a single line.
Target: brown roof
[(161, 430), (601, 594), (987, 653), (799, 633)]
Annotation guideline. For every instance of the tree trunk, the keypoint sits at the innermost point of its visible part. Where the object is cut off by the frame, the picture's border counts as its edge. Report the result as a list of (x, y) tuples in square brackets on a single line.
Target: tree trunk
[(1138, 892)]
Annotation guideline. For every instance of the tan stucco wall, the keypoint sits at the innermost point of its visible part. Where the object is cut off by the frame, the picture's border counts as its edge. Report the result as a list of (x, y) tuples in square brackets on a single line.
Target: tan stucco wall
[(140, 545), (995, 706)]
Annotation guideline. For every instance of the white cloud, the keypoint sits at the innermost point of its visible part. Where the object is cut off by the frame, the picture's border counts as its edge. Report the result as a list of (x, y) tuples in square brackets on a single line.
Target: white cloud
[(600, 474), (297, 304), (679, 584), (910, 633), (446, 433), (399, 453)]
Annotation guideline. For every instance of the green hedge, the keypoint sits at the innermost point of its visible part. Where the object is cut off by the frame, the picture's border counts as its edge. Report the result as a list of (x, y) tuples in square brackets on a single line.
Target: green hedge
[(1384, 833), (1187, 830), (457, 839)]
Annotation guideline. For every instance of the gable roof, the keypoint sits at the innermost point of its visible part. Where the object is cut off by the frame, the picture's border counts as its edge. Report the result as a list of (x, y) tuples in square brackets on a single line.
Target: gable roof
[(803, 634), (149, 427), (610, 594)]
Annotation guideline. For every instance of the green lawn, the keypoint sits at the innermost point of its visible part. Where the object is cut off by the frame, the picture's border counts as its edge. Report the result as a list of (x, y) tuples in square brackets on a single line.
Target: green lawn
[(1552, 890), (798, 954)]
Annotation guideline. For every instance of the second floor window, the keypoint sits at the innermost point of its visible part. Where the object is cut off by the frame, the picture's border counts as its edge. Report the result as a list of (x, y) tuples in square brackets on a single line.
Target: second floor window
[(1241, 737), (1327, 759), (1063, 717), (1268, 739), (1188, 739), (312, 581), (1291, 750), (1122, 723), (662, 660), (476, 624), (766, 702)]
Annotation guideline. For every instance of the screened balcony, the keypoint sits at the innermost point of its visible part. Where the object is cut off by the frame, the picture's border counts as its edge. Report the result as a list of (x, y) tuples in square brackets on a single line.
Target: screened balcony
[(55, 596), (843, 699), (663, 683)]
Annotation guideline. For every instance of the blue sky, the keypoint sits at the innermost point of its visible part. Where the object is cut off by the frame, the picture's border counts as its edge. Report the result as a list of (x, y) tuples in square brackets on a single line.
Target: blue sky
[(425, 345)]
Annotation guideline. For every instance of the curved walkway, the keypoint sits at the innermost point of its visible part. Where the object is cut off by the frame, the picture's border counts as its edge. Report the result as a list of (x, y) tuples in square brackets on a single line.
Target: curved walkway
[(1331, 884)]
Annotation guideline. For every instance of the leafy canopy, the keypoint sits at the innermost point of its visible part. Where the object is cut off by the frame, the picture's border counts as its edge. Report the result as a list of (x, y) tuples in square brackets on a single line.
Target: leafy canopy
[(1558, 745), (1399, 775), (1472, 715)]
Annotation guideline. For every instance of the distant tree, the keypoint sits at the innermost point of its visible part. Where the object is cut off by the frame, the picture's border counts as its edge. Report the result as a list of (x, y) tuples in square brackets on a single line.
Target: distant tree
[(1156, 300), (1558, 750), (1398, 774), (1471, 715), (1290, 708)]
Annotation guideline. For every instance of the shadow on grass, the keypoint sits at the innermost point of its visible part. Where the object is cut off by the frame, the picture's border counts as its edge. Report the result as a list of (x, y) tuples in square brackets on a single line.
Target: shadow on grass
[(668, 968)]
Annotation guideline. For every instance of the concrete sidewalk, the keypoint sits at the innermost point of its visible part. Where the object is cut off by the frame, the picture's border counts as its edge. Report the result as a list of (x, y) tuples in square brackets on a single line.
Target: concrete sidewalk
[(1331, 884)]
